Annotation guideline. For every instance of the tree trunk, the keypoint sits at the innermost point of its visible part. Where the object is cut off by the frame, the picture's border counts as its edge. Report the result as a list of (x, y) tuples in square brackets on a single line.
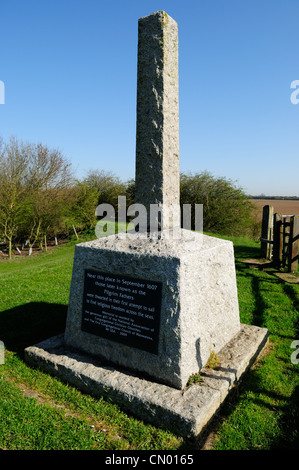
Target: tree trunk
[(9, 248), (75, 232)]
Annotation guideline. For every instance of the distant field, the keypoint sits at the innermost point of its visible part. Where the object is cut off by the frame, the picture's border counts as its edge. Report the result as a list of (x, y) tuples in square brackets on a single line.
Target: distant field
[(282, 206)]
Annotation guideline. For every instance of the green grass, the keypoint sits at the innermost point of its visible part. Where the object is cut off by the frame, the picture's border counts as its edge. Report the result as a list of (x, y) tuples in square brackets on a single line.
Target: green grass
[(39, 412)]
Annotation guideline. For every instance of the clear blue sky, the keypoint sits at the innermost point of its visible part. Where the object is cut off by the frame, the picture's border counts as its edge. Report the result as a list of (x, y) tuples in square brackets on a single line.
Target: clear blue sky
[(70, 71)]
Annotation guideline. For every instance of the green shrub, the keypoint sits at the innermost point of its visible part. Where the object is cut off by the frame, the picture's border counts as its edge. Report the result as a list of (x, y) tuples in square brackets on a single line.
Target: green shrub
[(226, 208)]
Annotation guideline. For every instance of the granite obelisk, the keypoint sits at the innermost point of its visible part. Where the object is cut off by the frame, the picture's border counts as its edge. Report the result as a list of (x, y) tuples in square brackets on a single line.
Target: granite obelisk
[(157, 130)]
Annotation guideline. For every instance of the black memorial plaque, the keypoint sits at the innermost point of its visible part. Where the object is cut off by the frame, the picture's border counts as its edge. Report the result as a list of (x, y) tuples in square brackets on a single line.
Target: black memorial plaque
[(122, 309)]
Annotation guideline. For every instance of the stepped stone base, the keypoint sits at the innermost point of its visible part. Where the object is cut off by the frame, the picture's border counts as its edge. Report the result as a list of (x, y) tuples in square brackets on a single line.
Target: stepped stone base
[(185, 412)]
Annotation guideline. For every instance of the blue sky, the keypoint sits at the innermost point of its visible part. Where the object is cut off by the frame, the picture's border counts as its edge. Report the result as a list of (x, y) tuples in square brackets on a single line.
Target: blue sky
[(70, 71)]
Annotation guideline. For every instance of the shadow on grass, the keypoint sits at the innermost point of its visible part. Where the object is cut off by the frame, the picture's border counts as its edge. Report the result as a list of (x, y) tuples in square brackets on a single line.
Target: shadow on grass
[(31, 323), (259, 303), (290, 291), (286, 407), (242, 252), (289, 439), (251, 394), (254, 283)]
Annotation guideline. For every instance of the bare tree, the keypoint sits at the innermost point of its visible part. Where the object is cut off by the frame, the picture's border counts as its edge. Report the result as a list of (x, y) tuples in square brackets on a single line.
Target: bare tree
[(49, 175), (48, 168), (33, 183), (13, 163)]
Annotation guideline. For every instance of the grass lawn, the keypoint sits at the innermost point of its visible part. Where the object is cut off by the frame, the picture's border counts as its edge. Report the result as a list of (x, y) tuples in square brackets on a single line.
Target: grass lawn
[(39, 412)]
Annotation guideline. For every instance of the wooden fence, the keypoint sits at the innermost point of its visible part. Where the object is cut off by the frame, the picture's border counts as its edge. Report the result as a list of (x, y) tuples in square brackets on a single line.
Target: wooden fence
[(280, 239)]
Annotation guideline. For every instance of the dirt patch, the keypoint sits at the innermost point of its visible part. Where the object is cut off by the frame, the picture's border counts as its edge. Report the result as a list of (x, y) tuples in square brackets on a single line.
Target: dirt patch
[(24, 253), (262, 263), (287, 277), (267, 266)]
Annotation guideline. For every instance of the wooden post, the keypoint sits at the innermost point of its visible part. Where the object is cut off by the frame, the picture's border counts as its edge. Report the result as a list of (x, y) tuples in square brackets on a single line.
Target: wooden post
[(294, 244), (281, 239), (277, 239), (285, 241), (267, 232)]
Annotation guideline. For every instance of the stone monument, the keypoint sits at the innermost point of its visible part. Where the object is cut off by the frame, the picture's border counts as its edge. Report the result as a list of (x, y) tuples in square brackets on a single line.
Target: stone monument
[(157, 305), (151, 307)]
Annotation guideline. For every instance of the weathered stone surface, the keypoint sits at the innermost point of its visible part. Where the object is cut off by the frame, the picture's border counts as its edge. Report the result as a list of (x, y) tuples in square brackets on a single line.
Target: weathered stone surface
[(157, 135), (185, 412), (199, 311)]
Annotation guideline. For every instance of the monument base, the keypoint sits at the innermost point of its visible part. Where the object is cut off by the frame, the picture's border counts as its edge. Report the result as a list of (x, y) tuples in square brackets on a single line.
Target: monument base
[(157, 306), (185, 412)]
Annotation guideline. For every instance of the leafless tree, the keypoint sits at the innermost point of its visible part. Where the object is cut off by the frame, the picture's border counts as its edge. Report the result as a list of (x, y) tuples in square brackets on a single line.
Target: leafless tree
[(13, 163), (33, 186)]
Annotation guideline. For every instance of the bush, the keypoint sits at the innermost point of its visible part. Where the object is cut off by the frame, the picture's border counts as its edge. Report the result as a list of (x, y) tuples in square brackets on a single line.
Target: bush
[(226, 209)]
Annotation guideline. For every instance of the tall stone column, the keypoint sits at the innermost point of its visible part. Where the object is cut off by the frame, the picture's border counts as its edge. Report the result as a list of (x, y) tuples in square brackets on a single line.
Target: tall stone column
[(157, 133)]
